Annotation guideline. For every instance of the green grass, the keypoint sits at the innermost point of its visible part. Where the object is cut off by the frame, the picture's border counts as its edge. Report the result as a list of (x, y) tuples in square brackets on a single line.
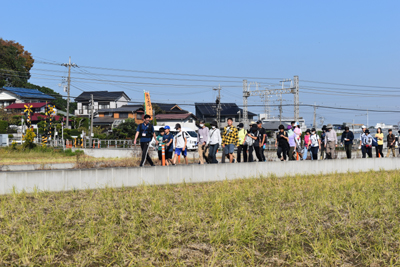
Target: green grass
[(338, 219)]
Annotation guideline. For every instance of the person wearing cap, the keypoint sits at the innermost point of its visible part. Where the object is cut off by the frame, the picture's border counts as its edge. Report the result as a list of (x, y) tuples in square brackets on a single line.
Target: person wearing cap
[(168, 141), (323, 147), (282, 142), (230, 139), (315, 144), (391, 141), (261, 139), (363, 151), (253, 134), (202, 140), (307, 144), (180, 144), (367, 143), (160, 140), (347, 141), (146, 132), (330, 142), (214, 142), (242, 145)]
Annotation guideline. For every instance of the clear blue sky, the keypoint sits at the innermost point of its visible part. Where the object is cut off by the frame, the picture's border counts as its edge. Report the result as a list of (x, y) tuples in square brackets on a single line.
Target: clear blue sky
[(349, 42)]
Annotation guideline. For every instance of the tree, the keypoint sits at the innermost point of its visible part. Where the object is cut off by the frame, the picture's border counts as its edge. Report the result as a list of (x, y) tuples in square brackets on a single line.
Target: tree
[(15, 64), (126, 129)]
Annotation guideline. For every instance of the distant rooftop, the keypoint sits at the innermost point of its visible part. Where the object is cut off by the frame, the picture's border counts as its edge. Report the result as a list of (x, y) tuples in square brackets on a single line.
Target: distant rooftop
[(27, 93)]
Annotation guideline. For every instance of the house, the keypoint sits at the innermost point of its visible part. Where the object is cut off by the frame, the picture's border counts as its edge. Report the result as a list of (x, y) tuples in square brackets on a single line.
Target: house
[(112, 117), (36, 107), (102, 100), (11, 95), (208, 112), (170, 108), (187, 120)]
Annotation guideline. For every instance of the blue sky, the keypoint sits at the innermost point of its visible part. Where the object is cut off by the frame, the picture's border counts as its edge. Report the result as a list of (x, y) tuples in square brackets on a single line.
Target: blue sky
[(346, 42)]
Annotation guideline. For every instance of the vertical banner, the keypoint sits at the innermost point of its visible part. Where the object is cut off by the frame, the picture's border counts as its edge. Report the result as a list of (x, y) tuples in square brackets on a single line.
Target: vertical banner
[(147, 105)]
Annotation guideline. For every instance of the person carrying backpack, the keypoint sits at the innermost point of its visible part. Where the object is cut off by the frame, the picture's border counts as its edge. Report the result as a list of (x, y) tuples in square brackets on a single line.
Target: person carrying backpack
[(146, 132), (230, 139), (254, 135), (214, 142), (180, 144), (367, 143)]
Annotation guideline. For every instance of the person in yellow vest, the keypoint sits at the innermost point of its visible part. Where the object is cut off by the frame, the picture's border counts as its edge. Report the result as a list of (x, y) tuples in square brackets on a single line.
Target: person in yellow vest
[(242, 145)]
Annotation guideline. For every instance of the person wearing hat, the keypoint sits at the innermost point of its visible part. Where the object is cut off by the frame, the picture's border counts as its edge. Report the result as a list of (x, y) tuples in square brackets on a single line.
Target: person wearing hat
[(180, 144), (146, 132), (282, 142), (347, 140), (214, 142), (330, 141), (363, 151), (391, 141), (323, 147), (242, 144), (202, 140), (230, 139), (169, 147), (367, 143)]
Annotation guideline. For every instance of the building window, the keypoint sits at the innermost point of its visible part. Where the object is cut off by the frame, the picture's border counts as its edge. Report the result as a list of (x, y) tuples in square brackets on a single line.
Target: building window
[(222, 119), (104, 105), (191, 120), (236, 119), (123, 115)]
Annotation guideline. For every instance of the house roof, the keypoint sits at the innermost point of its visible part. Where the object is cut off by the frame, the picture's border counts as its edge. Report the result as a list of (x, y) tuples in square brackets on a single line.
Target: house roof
[(227, 109), (103, 120), (22, 105), (170, 107), (178, 116), (125, 108), (101, 96), (27, 93)]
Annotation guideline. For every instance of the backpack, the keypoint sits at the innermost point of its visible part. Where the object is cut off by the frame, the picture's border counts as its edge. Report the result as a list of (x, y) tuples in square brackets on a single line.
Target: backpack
[(374, 142), (248, 140)]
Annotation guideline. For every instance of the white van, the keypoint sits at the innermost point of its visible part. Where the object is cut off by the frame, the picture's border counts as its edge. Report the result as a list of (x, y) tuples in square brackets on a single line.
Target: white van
[(189, 133)]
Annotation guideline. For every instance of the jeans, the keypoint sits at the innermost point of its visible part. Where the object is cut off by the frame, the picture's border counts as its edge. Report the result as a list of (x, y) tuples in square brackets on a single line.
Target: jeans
[(262, 153), (212, 153), (145, 154), (282, 152), (379, 149), (305, 153), (314, 153), (348, 150), (239, 152)]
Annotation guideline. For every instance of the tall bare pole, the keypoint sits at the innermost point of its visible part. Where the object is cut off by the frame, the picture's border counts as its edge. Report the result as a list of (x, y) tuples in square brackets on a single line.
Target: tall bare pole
[(91, 119), (246, 95), (69, 65), (218, 102), (296, 98), (315, 116)]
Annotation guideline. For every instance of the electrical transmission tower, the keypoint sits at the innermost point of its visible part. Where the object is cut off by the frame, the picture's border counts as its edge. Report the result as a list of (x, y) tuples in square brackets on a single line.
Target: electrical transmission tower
[(293, 89)]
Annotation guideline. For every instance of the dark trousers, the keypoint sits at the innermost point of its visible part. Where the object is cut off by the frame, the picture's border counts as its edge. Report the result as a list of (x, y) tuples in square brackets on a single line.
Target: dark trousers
[(291, 153), (314, 152), (282, 152), (368, 151), (212, 153), (258, 151), (322, 150), (348, 150), (239, 152), (364, 152), (379, 150), (262, 153), (145, 154)]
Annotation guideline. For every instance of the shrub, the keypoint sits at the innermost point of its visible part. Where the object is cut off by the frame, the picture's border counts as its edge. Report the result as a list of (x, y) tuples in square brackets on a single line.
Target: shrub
[(28, 139), (3, 126), (10, 136)]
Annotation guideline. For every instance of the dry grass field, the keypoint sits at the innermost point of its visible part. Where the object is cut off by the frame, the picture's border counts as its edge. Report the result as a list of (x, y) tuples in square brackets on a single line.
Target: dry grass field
[(332, 220)]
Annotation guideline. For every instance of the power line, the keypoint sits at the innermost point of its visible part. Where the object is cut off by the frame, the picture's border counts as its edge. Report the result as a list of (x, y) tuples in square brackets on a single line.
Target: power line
[(355, 85)]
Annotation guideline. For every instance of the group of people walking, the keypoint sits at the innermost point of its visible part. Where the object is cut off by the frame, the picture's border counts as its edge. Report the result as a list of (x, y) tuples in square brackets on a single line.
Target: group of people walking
[(291, 143)]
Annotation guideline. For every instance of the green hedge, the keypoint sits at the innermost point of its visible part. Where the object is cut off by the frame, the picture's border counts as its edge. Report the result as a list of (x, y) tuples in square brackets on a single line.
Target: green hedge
[(3, 126)]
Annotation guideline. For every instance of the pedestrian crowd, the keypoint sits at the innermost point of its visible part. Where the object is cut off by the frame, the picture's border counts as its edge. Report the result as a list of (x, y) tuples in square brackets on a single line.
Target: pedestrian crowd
[(291, 143)]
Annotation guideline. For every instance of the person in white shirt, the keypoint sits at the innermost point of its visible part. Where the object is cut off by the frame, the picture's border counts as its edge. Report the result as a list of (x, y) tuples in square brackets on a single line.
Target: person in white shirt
[(315, 144), (214, 142), (180, 144), (366, 140)]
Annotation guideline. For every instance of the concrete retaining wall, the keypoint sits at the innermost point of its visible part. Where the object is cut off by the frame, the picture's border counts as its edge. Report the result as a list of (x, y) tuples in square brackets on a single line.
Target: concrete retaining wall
[(59, 180)]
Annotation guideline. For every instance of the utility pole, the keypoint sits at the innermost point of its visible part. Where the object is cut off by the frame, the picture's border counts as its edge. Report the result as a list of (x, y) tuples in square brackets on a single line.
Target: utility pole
[(315, 116), (69, 65), (246, 95), (296, 98), (91, 119), (280, 110), (367, 119), (218, 102)]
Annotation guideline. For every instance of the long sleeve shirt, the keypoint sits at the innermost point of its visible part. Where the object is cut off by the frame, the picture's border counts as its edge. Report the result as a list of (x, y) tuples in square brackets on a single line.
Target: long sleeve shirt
[(330, 137), (349, 136), (202, 135), (366, 139), (230, 136), (214, 137)]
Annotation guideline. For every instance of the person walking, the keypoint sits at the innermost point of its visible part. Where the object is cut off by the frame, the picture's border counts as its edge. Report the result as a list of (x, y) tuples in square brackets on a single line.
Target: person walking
[(254, 134), (363, 150), (323, 147), (202, 140), (146, 132), (330, 142), (242, 144), (391, 141), (168, 139), (160, 140), (230, 139), (261, 139), (347, 140), (307, 144), (315, 144), (367, 143), (214, 142), (292, 143), (379, 139), (180, 144), (282, 142)]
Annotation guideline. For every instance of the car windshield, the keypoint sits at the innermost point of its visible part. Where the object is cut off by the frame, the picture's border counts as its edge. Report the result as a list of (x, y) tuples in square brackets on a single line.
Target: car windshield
[(192, 134)]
